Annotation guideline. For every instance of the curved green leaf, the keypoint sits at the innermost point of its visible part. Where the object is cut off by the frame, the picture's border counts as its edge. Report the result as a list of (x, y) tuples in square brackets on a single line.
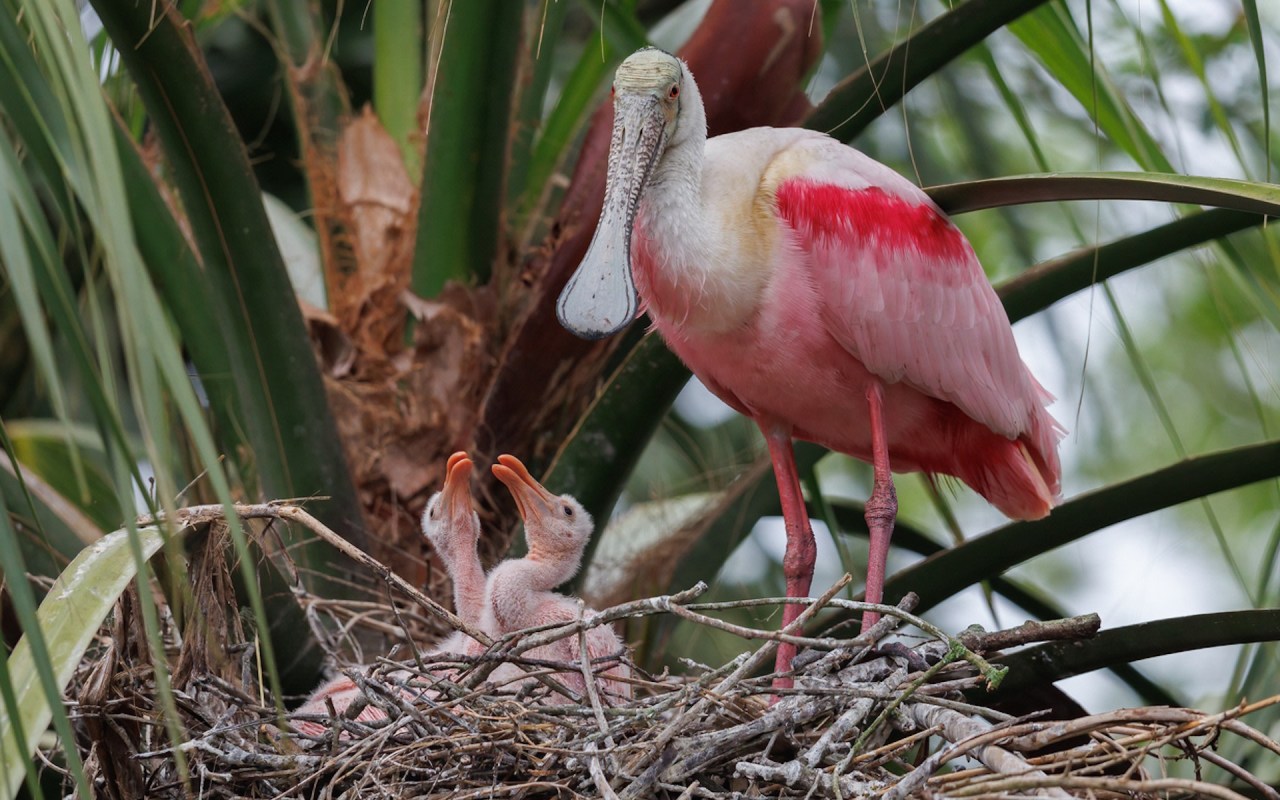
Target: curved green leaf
[(1054, 661), (958, 198), (69, 617), (938, 577), (1048, 282), (850, 518)]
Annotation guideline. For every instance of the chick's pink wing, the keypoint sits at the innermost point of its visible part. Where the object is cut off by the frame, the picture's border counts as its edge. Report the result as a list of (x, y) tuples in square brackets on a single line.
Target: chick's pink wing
[(902, 290)]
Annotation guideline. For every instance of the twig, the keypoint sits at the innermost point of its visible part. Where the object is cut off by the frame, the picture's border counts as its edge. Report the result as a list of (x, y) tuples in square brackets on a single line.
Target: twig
[(1260, 786), (641, 786), (1070, 629), (968, 736), (597, 774), (793, 773), (1003, 785), (993, 674), (755, 633), (589, 678)]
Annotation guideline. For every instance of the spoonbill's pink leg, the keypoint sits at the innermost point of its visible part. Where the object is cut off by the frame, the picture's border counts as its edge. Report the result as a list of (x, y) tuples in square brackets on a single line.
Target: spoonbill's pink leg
[(882, 506), (797, 562)]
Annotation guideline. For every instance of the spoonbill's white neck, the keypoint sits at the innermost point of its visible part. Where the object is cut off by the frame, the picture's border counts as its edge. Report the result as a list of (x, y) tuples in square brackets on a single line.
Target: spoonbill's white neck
[(675, 185)]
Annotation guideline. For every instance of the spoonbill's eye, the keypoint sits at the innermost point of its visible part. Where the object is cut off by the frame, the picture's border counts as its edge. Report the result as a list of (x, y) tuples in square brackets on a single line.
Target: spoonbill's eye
[(568, 510), (673, 92), (431, 512)]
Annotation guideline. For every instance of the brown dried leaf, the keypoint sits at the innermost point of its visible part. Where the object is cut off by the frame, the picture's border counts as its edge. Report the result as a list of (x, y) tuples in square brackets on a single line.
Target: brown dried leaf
[(111, 765), (212, 618), (334, 348), (378, 204), (399, 429)]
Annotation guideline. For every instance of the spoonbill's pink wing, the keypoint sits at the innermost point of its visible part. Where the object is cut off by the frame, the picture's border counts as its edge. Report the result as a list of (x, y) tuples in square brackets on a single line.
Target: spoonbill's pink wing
[(904, 293)]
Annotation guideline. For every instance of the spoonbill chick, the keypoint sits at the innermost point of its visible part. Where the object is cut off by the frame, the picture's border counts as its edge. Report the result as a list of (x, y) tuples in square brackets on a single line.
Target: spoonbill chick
[(556, 528)]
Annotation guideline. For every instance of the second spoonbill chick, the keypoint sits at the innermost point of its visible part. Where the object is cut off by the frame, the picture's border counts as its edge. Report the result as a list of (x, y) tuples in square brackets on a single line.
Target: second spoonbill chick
[(557, 529), (452, 526)]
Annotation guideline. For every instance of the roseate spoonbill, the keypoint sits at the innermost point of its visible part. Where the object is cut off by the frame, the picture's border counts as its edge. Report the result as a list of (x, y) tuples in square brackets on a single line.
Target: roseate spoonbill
[(556, 528), (452, 526), (818, 292)]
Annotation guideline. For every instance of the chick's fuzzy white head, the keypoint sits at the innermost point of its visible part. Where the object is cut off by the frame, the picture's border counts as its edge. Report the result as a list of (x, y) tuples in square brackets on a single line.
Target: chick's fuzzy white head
[(449, 521)]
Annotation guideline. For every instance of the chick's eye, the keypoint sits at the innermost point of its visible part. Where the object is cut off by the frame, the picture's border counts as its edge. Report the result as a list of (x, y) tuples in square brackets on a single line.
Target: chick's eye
[(568, 510), (431, 512), (673, 92)]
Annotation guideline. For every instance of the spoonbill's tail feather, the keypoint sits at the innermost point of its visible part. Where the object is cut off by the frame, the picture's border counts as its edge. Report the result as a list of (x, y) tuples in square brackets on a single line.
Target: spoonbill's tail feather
[(1017, 477)]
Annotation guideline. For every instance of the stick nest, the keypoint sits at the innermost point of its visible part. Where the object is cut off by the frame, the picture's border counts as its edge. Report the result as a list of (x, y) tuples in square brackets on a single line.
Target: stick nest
[(894, 713)]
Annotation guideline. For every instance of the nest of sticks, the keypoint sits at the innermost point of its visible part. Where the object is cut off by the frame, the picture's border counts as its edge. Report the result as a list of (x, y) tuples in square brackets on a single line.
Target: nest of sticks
[(892, 713)]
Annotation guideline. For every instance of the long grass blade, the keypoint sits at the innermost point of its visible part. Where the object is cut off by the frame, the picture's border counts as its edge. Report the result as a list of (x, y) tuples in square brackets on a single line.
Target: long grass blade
[(57, 636), (862, 97), (1055, 38), (1260, 55), (287, 418)]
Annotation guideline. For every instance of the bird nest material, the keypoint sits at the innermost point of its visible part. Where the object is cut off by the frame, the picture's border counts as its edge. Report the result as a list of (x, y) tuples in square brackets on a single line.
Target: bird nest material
[(886, 714)]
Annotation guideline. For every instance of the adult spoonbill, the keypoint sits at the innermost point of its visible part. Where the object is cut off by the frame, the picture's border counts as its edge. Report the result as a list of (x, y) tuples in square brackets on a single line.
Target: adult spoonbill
[(556, 528), (818, 292)]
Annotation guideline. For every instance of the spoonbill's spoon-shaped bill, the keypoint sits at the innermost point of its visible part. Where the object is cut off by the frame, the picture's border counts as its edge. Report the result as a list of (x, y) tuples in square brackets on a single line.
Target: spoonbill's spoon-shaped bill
[(600, 299)]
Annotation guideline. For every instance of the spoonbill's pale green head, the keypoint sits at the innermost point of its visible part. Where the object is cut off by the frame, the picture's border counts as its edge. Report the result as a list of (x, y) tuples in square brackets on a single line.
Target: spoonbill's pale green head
[(649, 89)]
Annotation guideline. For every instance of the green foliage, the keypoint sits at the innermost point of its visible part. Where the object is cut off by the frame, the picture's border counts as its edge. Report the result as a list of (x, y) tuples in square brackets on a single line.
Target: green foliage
[(43, 661)]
